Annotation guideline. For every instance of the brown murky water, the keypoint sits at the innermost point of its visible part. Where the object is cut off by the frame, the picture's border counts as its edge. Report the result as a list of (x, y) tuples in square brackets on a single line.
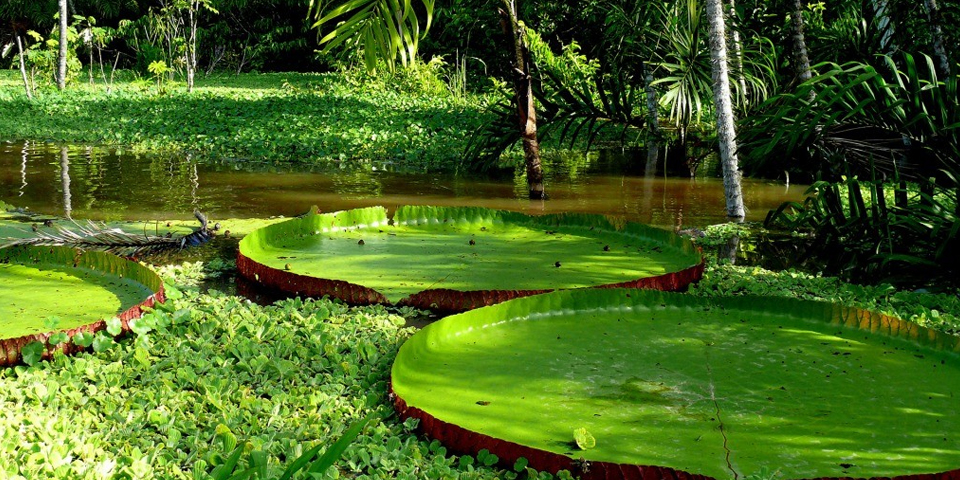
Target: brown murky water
[(106, 184)]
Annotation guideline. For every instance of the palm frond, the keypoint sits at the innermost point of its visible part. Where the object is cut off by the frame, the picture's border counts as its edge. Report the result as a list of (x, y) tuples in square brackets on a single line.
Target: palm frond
[(99, 236), (384, 29)]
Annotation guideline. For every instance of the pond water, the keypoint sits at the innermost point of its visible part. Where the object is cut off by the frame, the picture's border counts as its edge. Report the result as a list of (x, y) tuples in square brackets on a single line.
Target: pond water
[(109, 184)]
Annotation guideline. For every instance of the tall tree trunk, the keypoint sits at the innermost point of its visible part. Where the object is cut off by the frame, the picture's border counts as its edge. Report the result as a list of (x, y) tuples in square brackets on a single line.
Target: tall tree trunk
[(653, 121), (191, 52), (881, 9), (801, 59), (726, 133), (934, 20), (65, 182), (62, 65), (90, 62), (523, 96), (23, 65), (737, 50)]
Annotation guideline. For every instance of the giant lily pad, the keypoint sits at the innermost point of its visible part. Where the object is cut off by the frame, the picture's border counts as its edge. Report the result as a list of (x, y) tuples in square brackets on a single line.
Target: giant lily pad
[(623, 383), (455, 259), (69, 291)]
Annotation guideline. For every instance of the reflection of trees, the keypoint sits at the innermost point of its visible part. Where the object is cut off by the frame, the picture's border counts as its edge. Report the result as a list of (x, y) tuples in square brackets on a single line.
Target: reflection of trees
[(65, 181), (358, 185), (175, 181), (23, 167)]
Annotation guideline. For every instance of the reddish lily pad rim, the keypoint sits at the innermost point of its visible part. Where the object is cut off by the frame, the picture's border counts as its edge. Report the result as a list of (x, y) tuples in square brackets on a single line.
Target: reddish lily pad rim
[(10, 348), (442, 300), (463, 441)]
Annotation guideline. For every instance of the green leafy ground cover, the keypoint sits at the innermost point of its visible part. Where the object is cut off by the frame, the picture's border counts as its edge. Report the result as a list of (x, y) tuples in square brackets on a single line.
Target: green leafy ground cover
[(216, 372), (321, 119), (720, 386), (209, 370)]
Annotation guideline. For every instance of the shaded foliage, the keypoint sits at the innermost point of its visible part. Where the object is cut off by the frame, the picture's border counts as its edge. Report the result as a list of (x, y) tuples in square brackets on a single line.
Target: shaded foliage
[(861, 117), (887, 125), (863, 235)]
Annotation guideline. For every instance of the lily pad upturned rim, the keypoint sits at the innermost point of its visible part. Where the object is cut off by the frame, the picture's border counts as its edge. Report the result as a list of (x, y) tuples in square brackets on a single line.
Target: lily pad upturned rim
[(445, 300), (461, 440), (10, 348)]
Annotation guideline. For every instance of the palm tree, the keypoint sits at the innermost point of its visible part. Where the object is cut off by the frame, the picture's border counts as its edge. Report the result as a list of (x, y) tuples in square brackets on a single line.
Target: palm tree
[(726, 134), (934, 21), (799, 44), (383, 29)]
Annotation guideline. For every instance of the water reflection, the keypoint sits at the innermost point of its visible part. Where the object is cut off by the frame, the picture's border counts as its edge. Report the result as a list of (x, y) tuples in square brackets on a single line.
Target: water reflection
[(65, 182), (107, 184)]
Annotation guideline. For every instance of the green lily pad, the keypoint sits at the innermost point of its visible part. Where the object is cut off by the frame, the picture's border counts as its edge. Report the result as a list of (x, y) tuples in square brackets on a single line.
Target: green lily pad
[(48, 291), (684, 386), (455, 259)]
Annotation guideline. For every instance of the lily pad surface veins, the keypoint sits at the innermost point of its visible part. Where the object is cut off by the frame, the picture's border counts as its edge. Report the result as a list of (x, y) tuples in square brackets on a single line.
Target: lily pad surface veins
[(79, 289), (670, 384), (434, 257)]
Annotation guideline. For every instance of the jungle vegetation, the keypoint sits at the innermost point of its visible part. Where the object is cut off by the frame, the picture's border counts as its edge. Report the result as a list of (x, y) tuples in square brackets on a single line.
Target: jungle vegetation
[(857, 97), (854, 90)]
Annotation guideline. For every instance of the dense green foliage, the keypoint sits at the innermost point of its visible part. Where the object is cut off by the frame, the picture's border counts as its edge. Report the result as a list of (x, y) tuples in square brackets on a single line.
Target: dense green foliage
[(314, 119), (214, 371), (217, 372), (939, 311), (868, 231), (874, 126)]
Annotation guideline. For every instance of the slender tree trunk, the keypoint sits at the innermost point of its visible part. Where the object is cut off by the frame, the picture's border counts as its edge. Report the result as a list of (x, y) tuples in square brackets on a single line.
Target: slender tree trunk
[(62, 66), (23, 66), (889, 47), (65, 182), (881, 10), (801, 58), (191, 52), (653, 122), (726, 133), (737, 50), (523, 96), (934, 20), (653, 115)]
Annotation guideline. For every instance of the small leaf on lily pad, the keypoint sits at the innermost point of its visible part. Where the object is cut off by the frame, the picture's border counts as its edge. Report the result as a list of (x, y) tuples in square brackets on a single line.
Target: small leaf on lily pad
[(584, 439), (83, 339), (102, 342), (58, 338), (51, 322), (114, 327), (172, 292), (32, 352)]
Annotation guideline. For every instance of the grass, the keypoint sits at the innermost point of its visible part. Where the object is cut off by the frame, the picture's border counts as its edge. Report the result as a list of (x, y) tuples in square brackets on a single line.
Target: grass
[(331, 120)]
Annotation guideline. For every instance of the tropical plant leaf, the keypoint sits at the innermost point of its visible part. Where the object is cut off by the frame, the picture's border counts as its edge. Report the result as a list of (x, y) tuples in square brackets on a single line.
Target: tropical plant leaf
[(517, 378), (386, 29), (80, 289), (462, 255)]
